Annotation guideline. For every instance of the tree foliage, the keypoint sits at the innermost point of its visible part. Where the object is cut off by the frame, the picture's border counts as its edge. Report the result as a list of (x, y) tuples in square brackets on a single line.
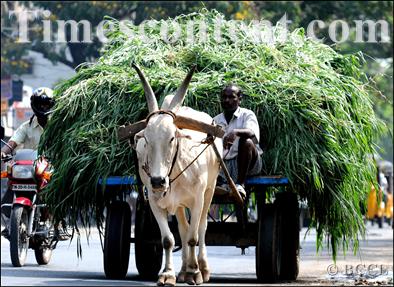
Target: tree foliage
[(12, 55)]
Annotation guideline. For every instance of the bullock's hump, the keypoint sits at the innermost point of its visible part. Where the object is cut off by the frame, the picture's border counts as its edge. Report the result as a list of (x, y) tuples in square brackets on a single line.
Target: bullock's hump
[(197, 115)]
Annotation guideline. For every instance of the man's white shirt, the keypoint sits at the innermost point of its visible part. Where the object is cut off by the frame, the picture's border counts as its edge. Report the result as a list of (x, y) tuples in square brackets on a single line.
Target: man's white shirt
[(242, 119), (28, 134)]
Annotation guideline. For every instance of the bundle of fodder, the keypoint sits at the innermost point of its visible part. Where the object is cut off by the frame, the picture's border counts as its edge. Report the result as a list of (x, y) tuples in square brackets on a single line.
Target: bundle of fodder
[(316, 118)]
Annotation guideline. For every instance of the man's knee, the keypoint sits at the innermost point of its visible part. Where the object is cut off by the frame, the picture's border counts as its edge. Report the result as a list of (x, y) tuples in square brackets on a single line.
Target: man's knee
[(246, 144)]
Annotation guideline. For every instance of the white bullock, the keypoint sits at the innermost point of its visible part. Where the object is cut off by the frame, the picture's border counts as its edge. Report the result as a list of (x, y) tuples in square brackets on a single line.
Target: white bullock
[(164, 154)]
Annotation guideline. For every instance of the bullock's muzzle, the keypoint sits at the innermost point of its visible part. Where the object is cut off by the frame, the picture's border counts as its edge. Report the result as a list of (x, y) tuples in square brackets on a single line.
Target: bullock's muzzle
[(158, 182)]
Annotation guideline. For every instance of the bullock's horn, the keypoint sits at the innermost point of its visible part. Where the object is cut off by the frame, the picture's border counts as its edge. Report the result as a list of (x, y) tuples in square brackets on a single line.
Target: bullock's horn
[(150, 96), (181, 92), (196, 125)]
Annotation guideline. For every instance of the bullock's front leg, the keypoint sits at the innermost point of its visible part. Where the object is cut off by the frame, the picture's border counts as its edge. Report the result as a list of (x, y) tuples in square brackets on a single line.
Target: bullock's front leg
[(202, 252), (167, 277), (193, 272), (183, 226)]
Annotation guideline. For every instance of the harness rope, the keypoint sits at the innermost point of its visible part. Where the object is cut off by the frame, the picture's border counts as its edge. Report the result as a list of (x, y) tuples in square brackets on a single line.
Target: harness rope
[(209, 140), (160, 112)]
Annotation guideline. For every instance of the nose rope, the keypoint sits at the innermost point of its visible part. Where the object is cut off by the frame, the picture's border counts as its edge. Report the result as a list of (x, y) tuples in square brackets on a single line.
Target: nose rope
[(174, 158), (145, 167), (208, 140)]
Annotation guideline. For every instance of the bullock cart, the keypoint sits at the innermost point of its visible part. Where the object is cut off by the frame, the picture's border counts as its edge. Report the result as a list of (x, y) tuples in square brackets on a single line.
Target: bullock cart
[(274, 231)]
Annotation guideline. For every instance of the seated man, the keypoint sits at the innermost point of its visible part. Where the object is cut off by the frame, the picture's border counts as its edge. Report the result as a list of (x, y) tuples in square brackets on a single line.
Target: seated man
[(241, 151)]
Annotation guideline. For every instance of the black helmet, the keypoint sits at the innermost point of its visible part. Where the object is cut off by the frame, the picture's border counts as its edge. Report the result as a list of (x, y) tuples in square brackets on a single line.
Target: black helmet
[(41, 101)]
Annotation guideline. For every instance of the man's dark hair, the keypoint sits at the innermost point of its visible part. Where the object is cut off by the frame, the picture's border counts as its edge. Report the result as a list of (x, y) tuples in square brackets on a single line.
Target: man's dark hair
[(235, 88)]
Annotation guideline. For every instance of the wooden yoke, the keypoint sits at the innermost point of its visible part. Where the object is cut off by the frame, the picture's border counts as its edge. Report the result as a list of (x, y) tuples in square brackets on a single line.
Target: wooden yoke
[(195, 125), (126, 132)]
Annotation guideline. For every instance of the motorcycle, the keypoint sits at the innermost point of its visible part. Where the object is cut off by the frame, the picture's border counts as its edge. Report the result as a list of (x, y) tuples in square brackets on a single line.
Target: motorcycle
[(29, 224)]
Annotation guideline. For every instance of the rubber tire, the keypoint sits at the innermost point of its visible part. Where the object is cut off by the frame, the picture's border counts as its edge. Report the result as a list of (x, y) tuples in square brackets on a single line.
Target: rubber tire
[(288, 211), (43, 255), (148, 255), (117, 240), (19, 215), (267, 249)]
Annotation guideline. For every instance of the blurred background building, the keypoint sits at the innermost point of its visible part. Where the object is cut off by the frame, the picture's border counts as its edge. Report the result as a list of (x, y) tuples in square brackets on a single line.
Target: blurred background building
[(16, 90)]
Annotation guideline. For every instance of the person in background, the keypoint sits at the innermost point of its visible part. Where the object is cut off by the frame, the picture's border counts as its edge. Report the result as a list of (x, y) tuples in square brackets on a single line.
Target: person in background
[(29, 132), (241, 150)]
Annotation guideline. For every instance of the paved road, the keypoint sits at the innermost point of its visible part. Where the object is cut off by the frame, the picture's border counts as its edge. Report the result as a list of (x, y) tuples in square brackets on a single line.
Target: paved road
[(228, 266)]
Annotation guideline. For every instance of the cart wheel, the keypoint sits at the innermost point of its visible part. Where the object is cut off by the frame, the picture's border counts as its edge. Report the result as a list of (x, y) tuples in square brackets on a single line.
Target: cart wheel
[(288, 211), (267, 249), (43, 255), (117, 240), (148, 247)]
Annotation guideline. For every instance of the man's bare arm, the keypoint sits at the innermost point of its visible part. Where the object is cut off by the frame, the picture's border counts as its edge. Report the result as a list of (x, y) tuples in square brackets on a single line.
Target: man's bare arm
[(6, 149), (242, 133)]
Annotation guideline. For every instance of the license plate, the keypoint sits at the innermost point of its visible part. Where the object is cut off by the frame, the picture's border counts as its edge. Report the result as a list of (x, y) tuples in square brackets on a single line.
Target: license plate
[(24, 187)]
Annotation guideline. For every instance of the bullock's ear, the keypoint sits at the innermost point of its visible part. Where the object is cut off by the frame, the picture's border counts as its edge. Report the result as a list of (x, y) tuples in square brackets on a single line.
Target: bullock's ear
[(180, 134), (137, 136)]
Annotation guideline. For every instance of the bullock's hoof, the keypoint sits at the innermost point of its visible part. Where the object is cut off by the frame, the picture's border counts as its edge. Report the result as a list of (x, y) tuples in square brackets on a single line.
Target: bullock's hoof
[(166, 280), (194, 278), (204, 269), (181, 277), (206, 275)]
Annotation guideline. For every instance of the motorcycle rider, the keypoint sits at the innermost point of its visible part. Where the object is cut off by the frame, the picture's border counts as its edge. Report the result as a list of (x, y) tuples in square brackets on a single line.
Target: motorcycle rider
[(29, 133)]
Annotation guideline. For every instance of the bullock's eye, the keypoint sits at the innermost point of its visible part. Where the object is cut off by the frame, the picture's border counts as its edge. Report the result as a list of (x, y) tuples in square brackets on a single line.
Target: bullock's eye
[(172, 139)]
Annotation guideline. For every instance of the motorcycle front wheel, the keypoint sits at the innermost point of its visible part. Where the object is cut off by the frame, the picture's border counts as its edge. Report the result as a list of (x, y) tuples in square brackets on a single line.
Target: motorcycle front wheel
[(19, 241)]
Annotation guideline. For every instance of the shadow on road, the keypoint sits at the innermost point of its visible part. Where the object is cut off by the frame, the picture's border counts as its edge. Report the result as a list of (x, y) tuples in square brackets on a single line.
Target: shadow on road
[(54, 278)]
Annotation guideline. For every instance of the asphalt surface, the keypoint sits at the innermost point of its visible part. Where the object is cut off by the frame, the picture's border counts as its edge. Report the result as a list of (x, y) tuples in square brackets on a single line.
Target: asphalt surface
[(371, 266)]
